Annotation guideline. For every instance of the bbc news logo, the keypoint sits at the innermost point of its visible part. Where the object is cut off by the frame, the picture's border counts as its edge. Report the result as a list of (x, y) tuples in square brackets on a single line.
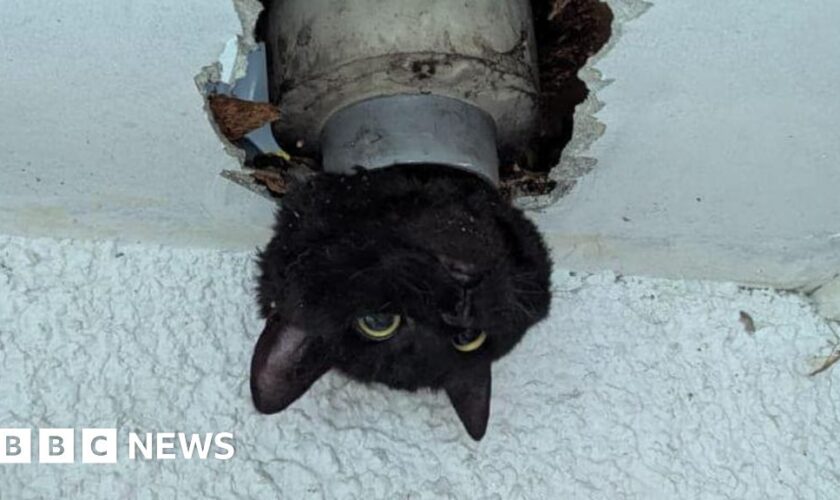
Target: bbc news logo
[(100, 446)]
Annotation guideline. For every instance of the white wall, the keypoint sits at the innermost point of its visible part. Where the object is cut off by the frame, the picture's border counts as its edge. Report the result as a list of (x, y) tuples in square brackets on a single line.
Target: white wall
[(102, 129), (103, 136), (634, 388), (721, 156)]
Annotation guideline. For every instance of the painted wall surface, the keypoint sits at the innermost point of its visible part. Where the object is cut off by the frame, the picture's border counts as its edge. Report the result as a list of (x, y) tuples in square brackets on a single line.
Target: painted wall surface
[(633, 388), (103, 133), (721, 156)]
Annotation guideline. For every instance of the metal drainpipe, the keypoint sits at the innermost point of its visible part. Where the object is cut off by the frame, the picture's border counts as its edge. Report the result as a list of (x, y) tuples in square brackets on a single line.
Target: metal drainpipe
[(374, 83)]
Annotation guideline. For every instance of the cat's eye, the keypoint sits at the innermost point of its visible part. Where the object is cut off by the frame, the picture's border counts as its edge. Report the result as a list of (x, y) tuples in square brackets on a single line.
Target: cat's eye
[(469, 340), (380, 326)]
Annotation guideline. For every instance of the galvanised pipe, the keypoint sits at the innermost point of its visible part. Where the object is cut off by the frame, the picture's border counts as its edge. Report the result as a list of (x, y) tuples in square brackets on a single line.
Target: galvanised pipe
[(335, 64)]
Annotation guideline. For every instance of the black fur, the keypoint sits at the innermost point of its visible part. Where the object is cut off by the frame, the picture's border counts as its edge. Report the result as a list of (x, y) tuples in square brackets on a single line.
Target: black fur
[(438, 246)]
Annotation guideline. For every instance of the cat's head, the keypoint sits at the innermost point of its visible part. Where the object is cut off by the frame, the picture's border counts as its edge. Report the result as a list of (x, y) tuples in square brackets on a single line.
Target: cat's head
[(412, 276)]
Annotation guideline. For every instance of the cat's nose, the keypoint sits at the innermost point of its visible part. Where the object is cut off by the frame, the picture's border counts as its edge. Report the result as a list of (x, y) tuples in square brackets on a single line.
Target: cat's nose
[(463, 272), (467, 278)]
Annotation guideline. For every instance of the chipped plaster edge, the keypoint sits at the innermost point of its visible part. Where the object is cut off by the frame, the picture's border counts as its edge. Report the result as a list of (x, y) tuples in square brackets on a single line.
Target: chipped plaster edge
[(575, 162), (248, 12)]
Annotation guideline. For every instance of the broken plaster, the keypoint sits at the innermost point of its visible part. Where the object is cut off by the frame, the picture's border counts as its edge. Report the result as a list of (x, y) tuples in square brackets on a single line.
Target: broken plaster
[(233, 60), (231, 65), (574, 162)]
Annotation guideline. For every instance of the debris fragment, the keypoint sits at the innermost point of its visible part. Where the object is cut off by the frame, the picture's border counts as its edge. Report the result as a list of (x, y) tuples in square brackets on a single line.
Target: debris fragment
[(833, 358), (273, 180), (237, 117), (747, 321), (278, 172), (516, 182)]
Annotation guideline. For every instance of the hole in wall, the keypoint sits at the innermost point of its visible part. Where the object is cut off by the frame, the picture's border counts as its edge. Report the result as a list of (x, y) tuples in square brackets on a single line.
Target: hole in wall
[(568, 33)]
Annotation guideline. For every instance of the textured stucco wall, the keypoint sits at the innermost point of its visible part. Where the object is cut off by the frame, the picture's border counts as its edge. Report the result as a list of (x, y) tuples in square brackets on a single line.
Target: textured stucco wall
[(634, 388)]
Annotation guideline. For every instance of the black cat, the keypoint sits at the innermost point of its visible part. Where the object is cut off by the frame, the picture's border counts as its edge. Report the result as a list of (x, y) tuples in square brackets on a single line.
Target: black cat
[(412, 276)]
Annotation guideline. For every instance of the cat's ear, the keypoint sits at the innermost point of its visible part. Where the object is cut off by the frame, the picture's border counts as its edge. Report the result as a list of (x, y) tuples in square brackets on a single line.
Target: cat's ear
[(286, 363), (469, 392)]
